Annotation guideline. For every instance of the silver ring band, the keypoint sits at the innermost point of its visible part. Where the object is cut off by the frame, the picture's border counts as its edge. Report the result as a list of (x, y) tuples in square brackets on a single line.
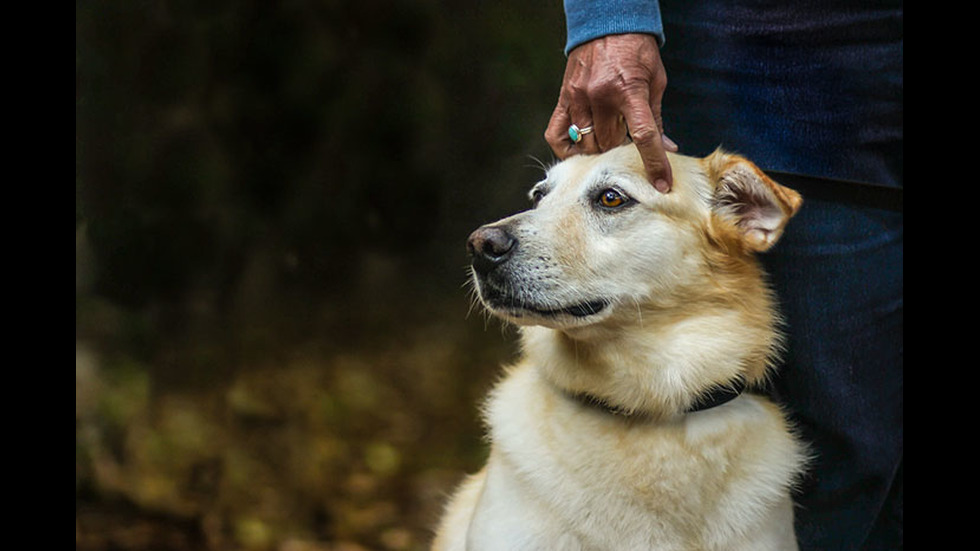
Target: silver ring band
[(576, 133)]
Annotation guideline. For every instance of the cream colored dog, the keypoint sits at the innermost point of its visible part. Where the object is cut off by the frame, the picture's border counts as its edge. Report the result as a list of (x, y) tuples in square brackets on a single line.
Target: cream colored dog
[(643, 316)]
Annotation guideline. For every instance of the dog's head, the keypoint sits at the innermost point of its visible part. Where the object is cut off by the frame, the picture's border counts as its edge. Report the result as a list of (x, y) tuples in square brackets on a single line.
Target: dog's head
[(601, 244)]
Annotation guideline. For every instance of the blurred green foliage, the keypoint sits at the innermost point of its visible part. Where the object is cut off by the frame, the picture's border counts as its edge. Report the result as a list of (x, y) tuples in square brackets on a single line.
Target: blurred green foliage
[(274, 345)]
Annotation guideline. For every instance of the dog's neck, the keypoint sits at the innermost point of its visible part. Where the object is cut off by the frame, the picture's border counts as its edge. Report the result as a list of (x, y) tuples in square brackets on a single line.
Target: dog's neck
[(664, 367), (714, 397)]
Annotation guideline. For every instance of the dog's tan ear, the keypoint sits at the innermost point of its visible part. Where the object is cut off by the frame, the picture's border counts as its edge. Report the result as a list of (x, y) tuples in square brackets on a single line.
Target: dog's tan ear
[(744, 196)]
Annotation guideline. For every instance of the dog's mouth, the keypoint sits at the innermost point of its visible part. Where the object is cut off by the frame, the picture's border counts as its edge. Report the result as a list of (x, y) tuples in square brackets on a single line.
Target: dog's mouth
[(517, 307)]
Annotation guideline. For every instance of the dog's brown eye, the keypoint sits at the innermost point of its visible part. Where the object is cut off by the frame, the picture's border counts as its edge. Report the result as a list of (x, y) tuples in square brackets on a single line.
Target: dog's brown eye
[(611, 198)]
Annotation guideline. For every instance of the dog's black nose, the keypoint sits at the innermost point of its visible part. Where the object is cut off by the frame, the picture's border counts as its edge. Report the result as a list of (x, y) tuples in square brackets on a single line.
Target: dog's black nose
[(489, 246)]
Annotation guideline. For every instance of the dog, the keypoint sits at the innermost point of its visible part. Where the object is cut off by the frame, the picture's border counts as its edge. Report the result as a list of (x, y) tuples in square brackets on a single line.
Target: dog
[(630, 421)]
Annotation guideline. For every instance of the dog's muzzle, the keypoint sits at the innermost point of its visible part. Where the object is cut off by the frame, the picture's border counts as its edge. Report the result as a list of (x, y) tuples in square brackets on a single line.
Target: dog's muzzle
[(490, 248)]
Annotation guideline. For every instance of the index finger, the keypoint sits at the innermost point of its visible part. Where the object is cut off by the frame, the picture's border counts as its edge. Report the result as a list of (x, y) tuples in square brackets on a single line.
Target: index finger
[(649, 141)]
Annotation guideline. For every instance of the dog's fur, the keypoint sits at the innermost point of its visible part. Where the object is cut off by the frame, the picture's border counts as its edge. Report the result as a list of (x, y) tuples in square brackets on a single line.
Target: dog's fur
[(645, 306)]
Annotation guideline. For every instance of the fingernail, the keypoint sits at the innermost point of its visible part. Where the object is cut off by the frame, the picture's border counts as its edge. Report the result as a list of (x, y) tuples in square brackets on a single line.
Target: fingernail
[(662, 186), (669, 143)]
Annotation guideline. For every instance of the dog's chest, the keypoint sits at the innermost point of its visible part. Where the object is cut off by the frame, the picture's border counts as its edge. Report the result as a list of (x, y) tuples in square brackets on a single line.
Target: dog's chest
[(618, 482)]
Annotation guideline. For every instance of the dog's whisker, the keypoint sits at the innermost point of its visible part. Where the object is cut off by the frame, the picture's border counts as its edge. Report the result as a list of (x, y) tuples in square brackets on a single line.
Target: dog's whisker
[(472, 291), (538, 163)]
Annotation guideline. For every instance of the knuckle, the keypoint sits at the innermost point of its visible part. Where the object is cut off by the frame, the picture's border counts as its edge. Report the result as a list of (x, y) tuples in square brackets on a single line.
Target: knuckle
[(616, 85), (635, 80), (603, 87), (644, 135), (557, 141), (578, 91)]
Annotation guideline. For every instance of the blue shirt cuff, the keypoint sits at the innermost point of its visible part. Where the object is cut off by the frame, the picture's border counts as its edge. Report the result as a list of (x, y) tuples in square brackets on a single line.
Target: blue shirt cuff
[(587, 20)]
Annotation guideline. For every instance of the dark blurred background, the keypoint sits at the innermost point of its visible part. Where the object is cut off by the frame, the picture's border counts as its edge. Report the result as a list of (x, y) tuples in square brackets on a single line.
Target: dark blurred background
[(274, 345)]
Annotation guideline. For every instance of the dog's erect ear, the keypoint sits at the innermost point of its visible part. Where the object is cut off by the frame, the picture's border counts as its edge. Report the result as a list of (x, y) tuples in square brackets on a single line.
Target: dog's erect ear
[(743, 195)]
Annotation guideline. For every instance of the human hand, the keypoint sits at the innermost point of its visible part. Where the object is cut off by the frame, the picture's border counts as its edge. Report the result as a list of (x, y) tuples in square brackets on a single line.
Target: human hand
[(615, 84)]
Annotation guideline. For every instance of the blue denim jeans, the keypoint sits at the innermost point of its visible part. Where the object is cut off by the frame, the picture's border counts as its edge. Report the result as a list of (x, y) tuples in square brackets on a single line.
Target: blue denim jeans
[(816, 88), (838, 271)]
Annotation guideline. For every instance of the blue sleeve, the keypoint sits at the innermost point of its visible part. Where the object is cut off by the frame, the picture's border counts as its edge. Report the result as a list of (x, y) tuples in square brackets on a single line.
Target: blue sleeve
[(589, 19)]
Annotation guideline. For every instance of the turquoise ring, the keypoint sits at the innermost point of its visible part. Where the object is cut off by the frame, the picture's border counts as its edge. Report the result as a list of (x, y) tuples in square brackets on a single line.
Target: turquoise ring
[(576, 133)]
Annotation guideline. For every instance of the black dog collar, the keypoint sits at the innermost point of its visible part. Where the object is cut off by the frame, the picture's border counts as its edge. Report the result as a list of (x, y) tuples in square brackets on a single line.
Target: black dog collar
[(716, 396)]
